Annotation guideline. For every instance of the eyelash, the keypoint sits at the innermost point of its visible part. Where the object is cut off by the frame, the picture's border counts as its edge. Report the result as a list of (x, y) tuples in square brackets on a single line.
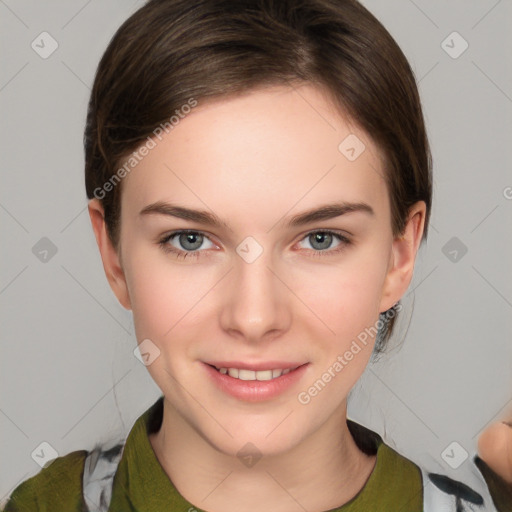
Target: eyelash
[(194, 254)]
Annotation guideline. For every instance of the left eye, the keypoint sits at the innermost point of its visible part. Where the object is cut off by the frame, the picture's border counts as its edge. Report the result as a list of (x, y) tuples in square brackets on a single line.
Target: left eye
[(191, 241), (324, 240)]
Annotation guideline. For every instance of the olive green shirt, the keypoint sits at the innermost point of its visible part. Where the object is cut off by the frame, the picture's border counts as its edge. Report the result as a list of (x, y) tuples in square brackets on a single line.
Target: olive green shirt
[(141, 485)]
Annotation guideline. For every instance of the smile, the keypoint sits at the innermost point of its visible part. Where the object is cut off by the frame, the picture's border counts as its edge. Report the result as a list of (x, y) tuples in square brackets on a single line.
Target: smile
[(255, 382), (243, 374)]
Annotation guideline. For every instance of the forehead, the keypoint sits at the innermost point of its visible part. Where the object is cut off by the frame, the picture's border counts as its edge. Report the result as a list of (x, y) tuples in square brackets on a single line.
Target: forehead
[(267, 150)]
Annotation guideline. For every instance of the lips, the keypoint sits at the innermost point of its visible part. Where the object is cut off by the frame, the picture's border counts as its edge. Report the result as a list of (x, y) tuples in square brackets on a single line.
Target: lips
[(243, 374), (267, 365), (255, 381), (261, 372)]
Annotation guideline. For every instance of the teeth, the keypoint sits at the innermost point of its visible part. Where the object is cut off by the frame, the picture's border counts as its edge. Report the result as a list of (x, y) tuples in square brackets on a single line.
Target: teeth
[(246, 375), (263, 375), (254, 375)]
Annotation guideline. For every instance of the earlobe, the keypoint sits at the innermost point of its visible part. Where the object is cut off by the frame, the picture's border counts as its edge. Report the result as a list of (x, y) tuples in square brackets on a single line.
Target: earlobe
[(109, 256), (403, 256)]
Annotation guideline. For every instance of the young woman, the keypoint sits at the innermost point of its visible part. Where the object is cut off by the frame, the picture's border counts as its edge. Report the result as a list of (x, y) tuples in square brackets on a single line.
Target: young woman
[(260, 182)]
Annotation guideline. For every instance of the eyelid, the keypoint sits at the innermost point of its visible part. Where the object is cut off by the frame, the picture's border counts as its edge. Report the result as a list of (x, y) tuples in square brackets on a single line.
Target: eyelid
[(343, 239), (339, 232), (166, 237), (341, 235)]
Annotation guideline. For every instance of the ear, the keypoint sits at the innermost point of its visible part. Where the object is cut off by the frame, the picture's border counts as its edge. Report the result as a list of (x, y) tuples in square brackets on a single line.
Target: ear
[(109, 256), (403, 256)]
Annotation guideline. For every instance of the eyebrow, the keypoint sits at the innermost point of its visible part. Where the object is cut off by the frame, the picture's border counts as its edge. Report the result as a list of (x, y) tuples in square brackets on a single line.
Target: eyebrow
[(324, 212)]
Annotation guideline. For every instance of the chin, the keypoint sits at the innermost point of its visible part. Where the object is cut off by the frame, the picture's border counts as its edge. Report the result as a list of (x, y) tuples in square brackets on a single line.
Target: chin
[(269, 438)]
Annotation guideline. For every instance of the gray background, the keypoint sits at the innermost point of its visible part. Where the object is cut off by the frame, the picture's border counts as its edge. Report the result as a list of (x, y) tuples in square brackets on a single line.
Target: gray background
[(67, 345)]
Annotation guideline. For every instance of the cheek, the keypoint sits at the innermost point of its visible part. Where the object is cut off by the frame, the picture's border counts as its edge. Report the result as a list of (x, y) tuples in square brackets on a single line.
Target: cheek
[(346, 300), (345, 294), (165, 302), (163, 297)]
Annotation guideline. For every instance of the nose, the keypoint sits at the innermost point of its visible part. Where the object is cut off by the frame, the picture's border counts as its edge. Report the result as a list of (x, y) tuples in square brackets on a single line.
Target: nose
[(256, 303)]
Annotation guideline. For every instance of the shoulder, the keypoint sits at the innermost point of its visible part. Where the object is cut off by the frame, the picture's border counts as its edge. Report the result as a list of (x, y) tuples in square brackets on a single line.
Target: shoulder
[(58, 486), (371, 443), (396, 481), (401, 476), (81, 478), (501, 490)]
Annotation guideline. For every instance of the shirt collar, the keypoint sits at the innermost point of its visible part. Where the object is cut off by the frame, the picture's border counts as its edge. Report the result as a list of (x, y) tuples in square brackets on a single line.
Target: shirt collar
[(150, 489)]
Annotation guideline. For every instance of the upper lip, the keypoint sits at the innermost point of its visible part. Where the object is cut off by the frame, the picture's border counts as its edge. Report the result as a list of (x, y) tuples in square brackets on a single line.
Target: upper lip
[(261, 366)]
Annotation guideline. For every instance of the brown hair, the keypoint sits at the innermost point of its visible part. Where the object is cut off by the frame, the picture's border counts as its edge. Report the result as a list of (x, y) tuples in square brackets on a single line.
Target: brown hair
[(170, 51)]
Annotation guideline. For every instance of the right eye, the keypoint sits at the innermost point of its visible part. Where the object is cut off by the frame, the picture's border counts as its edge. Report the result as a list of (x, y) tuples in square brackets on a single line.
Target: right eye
[(190, 240)]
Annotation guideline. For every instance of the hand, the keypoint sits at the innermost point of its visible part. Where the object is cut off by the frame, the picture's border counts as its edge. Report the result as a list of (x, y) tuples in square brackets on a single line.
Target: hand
[(495, 448)]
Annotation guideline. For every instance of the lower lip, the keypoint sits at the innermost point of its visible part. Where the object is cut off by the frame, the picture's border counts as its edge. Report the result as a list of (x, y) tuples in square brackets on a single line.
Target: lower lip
[(255, 390)]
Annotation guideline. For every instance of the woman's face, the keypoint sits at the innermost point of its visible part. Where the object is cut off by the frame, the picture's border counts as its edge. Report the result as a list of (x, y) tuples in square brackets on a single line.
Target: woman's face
[(258, 290)]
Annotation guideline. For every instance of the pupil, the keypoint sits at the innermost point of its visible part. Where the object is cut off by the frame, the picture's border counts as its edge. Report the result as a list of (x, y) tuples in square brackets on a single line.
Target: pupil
[(189, 238), (323, 239)]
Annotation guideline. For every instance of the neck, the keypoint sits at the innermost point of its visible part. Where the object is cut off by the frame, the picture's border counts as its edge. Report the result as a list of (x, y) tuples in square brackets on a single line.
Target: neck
[(315, 475)]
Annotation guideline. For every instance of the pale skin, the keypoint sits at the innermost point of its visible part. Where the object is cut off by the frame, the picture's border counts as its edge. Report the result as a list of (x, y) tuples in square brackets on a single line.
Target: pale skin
[(255, 161), (495, 448)]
